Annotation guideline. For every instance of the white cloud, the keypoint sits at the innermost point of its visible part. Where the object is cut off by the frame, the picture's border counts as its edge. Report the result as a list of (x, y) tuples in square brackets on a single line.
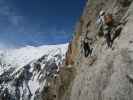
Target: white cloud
[(2, 46)]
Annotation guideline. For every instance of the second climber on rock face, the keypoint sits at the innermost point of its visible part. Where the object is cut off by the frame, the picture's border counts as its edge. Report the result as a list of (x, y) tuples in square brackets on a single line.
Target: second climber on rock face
[(87, 48), (105, 22)]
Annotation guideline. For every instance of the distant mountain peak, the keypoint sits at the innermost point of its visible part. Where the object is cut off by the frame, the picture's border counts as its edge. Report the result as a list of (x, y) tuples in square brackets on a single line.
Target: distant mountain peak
[(24, 72)]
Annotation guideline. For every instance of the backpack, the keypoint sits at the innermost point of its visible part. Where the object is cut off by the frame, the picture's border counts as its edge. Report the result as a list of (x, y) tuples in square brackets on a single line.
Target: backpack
[(108, 19)]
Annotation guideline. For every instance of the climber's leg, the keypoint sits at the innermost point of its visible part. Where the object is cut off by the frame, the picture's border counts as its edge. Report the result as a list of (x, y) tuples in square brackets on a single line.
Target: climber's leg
[(108, 40), (86, 52)]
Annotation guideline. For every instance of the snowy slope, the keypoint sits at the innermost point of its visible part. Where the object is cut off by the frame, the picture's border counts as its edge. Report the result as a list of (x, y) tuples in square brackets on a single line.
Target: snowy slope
[(24, 71), (22, 56), (26, 54)]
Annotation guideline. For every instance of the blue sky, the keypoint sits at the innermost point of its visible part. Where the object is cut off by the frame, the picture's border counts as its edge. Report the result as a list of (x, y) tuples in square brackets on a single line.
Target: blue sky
[(38, 22)]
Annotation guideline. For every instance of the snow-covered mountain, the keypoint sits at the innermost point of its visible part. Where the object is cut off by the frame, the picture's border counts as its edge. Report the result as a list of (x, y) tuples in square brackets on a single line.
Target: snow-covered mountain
[(24, 71)]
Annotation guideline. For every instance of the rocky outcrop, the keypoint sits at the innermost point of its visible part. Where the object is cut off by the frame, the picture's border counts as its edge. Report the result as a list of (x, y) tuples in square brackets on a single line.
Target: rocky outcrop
[(108, 73)]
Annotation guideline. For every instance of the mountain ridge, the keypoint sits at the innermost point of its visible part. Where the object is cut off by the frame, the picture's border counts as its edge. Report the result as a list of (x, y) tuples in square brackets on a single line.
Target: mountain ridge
[(25, 72)]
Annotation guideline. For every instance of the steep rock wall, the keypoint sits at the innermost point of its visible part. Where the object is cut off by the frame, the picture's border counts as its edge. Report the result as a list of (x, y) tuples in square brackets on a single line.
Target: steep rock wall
[(108, 73)]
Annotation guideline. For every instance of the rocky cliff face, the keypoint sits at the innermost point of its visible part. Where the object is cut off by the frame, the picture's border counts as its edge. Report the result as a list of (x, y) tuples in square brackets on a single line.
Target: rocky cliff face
[(108, 73)]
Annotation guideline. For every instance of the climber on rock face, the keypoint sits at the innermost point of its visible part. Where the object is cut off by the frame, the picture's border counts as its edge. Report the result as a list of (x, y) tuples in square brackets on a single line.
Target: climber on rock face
[(105, 22), (86, 46)]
